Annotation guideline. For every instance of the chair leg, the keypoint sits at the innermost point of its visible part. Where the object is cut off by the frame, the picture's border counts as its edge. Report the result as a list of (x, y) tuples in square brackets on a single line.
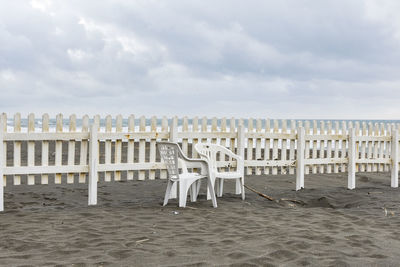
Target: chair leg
[(209, 194), (198, 187), (193, 192), (220, 187), (168, 192), (183, 190), (242, 186), (211, 189), (174, 190), (238, 187)]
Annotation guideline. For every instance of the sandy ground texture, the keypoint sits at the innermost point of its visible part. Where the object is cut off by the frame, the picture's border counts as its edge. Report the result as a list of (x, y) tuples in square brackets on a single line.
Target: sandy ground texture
[(328, 225)]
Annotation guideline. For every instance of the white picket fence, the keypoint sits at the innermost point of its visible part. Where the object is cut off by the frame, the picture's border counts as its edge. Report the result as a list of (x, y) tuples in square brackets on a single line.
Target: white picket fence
[(74, 156)]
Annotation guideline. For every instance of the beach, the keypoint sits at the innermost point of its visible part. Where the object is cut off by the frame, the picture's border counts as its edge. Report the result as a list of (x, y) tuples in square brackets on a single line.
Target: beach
[(322, 225)]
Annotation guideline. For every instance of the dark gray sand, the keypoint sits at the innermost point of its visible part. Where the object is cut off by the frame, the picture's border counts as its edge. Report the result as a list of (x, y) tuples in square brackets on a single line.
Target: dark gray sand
[(329, 226)]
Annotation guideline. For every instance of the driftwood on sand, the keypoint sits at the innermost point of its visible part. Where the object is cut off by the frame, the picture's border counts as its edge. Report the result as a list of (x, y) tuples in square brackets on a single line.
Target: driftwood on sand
[(272, 199)]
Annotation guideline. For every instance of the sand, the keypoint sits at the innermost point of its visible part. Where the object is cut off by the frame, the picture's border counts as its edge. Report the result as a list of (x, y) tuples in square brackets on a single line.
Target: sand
[(46, 225)]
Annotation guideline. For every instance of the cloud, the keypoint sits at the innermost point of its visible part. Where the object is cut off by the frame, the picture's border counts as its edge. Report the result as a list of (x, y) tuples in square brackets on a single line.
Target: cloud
[(293, 59)]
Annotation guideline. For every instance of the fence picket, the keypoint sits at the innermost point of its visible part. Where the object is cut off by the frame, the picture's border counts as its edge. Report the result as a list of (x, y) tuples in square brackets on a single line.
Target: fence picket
[(329, 147), (387, 145), (131, 146), (381, 147), (250, 145), (344, 145), (363, 146), (292, 145), (45, 148), (214, 129), (84, 148), (164, 129), (195, 128), (58, 149), (375, 147), (284, 146), (275, 155), (108, 147), (358, 145), (152, 156), (185, 141), (307, 147), (142, 147), (322, 146), (17, 147), (71, 148), (258, 146), (314, 148), (118, 147), (204, 127), (232, 128), (31, 148), (336, 147), (223, 130)]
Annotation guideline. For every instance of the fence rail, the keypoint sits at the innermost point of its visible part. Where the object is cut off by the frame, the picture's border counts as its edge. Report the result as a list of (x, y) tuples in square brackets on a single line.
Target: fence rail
[(126, 149)]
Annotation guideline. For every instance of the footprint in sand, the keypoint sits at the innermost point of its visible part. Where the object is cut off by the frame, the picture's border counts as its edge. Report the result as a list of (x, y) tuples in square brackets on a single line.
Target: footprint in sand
[(283, 255), (120, 254)]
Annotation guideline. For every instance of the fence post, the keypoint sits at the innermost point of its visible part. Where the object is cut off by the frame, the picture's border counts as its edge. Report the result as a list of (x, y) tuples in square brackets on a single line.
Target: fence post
[(173, 130), (2, 161), (93, 160), (395, 158), (240, 150), (351, 180), (301, 143)]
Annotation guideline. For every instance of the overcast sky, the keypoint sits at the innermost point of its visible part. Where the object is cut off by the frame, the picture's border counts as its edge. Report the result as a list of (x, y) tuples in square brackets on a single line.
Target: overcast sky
[(278, 59)]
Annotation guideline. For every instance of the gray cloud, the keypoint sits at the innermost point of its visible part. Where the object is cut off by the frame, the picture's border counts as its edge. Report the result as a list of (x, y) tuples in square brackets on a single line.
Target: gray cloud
[(284, 59)]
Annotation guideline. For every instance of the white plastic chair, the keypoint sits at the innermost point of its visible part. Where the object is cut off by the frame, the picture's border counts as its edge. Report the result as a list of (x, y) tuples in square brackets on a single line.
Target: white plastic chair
[(209, 152), (174, 159)]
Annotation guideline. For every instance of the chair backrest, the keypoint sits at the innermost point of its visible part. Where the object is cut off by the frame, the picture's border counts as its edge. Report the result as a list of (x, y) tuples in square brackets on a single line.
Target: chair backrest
[(209, 152), (169, 153)]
